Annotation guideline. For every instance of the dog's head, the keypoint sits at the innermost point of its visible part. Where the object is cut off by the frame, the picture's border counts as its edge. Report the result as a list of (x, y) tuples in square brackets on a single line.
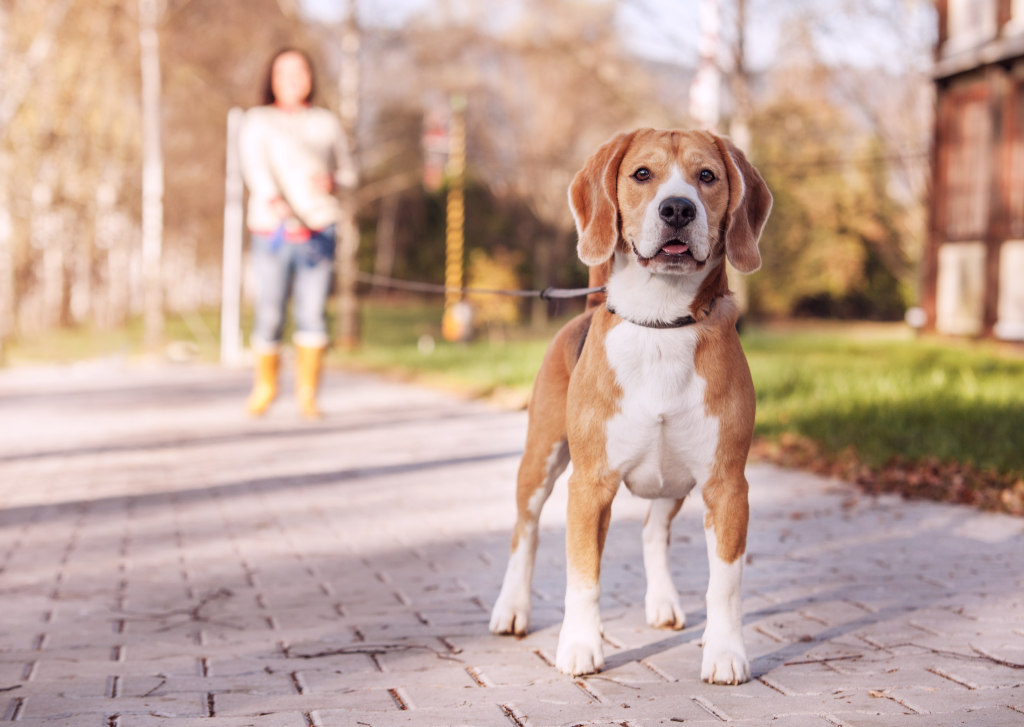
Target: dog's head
[(675, 200)]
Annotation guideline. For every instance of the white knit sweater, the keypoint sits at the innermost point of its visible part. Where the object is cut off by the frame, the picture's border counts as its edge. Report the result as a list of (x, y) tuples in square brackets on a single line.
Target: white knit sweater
[(283, 154)]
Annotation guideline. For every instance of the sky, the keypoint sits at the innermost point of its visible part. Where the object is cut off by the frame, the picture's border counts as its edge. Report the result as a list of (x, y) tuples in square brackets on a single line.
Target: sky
[(386, 12), (652, 28), (666, 30)]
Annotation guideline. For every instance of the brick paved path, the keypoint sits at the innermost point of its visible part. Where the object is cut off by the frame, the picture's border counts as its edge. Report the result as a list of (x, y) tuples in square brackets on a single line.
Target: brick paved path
[(166, 561)]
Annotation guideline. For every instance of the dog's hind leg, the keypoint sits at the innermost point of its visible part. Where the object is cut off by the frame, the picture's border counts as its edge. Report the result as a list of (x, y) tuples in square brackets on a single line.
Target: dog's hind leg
[(540, 467), (545, 458), (661, 603), (537, 475)]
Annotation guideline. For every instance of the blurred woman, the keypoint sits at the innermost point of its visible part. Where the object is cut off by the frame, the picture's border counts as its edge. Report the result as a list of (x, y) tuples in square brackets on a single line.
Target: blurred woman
[(293, 154)]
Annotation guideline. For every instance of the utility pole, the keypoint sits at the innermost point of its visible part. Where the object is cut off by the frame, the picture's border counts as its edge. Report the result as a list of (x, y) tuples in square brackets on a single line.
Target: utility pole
[(347, 228), (150, 12)]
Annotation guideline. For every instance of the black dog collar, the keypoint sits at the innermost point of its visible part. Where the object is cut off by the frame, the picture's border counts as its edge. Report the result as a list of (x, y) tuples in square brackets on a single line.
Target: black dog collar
[(676, 323)]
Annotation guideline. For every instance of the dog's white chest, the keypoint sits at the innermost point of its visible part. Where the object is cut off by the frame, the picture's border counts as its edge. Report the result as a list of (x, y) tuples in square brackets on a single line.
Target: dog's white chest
[(662, 441)]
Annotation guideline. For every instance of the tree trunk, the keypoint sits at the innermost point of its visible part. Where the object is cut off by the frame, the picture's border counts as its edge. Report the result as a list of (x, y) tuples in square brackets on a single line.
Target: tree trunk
[(6, 236), (387, 220), (6, 256), (45, 236), (234, 234), (17, 81), (348, 229)]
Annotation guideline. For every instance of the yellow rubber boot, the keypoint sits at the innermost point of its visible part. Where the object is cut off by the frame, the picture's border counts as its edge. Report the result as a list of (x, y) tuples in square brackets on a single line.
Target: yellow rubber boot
[(308, 361), (265, 385)]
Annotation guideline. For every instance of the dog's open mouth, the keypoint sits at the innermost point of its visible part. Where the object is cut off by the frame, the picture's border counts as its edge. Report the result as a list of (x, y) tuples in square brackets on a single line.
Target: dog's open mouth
[(674, 253), (674, 249)]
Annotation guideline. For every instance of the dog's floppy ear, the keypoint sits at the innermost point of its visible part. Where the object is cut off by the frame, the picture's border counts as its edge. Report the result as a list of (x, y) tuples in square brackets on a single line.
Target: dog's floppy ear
[(594, 201), (749, 205)]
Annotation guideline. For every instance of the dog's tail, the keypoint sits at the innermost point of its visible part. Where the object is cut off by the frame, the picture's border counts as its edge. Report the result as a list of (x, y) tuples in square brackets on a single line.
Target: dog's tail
[(599, 275)]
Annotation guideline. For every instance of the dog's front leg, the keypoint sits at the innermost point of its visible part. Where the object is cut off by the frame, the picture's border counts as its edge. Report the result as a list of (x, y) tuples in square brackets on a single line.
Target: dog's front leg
[(725, 530), (590, 506)]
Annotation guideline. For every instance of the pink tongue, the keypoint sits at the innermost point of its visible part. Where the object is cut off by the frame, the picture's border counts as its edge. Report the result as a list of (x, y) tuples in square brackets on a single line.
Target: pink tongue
[(675, 248)]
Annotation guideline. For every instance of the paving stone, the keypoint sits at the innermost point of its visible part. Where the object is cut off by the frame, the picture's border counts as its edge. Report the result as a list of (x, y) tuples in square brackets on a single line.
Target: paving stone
[(278, 719), (233, 704), (59, 707), (166, 561), (928, 700), (472, 715), (987, 716)]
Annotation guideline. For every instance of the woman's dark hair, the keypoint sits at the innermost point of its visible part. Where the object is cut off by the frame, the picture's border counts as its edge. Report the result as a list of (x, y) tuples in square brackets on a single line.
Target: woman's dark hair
[(268, 83)]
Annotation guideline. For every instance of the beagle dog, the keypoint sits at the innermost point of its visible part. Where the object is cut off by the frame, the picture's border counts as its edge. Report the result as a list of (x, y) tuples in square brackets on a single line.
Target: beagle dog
[(649, 386)]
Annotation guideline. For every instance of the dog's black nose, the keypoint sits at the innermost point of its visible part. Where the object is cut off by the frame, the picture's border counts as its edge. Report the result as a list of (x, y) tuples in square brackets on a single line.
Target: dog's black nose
[(677, 211)]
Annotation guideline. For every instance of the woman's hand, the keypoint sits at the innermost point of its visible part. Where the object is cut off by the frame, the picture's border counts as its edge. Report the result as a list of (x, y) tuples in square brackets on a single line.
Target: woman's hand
[(281, 209), (324, 182)]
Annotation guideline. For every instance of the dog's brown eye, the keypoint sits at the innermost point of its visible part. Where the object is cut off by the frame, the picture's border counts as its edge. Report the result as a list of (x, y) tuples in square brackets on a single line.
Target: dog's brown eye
[(642, 174), (707, 176)]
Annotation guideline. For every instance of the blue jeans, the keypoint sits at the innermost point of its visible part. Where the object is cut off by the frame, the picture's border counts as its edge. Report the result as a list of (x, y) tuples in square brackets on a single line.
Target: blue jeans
[(303, 269)]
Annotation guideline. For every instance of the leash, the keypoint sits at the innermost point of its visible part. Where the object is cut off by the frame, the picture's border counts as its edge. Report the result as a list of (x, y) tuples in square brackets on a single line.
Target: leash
[(545, 294)]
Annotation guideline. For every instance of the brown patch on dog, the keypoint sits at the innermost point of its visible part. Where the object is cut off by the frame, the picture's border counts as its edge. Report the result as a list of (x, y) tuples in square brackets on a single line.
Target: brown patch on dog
[(750, 203), (593, 200), (593, 399), (728, 396), (714, 287), (598, 277)]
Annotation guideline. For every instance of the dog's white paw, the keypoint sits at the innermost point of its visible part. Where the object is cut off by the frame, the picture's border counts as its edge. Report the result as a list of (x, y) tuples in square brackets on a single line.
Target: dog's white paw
[(724, 665), (664, 611), (510, 617), (579, 654), (511, 612)]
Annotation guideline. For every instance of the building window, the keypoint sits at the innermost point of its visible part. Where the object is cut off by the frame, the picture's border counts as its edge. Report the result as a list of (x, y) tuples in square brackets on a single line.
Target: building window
[(1014, 181), (1010, 324), (968, 167), (960, 289), (1016, 23), (970, 23)]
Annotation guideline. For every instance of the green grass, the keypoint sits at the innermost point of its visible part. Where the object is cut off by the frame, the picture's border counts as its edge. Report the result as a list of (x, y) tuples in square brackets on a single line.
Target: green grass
[(408, 341), (196, 336), (891, 399)]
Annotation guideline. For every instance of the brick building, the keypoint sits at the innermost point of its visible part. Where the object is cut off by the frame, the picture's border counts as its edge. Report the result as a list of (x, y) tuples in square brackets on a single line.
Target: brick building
[(973, 275)]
